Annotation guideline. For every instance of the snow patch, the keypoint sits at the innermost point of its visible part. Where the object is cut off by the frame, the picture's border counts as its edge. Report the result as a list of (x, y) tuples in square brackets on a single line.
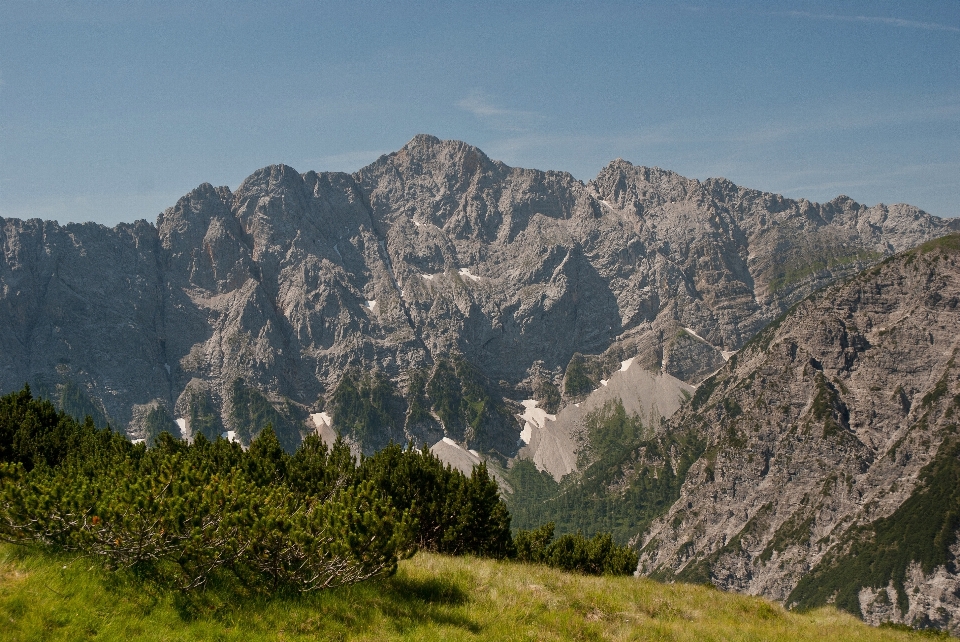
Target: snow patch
[(473, 452), (370, 305), (466, 272), (323, 424), (726, 354), (626, 364), (526, 434), (603, 382), (230, 436), (533, 417), (183, 427), (138, 441), (451, 442), (321, 419), (695, 334)]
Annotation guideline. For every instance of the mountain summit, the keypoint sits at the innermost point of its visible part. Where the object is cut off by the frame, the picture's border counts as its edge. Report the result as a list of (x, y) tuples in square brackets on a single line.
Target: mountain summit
[(247, 306)]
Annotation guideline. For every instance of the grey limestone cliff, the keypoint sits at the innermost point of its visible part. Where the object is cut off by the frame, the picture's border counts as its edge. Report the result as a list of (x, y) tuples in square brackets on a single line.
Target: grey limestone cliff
[(276, 289)]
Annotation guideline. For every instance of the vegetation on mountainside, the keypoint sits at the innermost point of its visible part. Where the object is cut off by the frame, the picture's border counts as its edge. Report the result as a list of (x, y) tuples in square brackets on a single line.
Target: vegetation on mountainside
[(463, 401), (576, 380), (806, 264), (364, 407), (547, 395), (418, 406), (158, 421), (72, 398), (431, 597), (948, 243), (202, 416), (629, 477), (369, 409), (188, 515), (250, 411), (922, 531), (75, 401)]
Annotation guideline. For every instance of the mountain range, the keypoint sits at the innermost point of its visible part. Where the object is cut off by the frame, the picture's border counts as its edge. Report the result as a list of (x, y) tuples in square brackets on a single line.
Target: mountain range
[(441, 297)]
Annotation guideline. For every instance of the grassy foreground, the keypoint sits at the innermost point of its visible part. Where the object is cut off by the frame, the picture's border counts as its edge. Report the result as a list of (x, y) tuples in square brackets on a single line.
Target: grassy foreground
[(432, 597)]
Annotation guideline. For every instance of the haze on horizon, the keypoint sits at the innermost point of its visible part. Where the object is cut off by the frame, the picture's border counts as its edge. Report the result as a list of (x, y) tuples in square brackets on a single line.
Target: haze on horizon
[(110, 111)]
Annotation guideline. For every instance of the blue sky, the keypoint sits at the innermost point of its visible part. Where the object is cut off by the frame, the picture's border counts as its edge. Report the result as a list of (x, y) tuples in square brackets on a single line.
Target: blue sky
[(109, 111)]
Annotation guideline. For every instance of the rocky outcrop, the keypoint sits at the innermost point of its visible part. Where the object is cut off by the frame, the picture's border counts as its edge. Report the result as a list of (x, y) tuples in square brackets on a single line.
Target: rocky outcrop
[(831, 440), (284, 284)]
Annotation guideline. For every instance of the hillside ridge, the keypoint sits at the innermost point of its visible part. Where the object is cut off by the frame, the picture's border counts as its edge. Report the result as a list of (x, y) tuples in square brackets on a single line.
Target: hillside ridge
[(831, 466)]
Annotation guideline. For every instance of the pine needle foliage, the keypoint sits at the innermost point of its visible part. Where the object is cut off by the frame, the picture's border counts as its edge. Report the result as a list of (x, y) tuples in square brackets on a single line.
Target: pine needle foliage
[(598, 555), (185, 515), (188, 513), (455, 514)]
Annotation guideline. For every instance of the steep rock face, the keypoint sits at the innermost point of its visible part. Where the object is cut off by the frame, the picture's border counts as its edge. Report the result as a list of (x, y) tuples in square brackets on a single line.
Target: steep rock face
[(85, 303), (294, 278), (825, 433)]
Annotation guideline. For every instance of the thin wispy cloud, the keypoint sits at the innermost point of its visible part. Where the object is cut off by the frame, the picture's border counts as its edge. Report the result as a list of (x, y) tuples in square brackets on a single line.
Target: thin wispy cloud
[(864, 113), (893, 22), (875, 178), (752, 133), (496, 117)]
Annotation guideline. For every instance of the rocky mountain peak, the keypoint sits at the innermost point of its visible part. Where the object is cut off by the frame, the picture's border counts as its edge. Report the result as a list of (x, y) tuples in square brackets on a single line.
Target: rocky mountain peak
[(296, 278), (197, 203), (427, 174), (442, 293), (424, 141), (626, 184)]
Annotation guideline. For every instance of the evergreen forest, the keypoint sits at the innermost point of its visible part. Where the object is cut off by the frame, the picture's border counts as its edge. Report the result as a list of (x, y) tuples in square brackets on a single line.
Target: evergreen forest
[(185, 515)]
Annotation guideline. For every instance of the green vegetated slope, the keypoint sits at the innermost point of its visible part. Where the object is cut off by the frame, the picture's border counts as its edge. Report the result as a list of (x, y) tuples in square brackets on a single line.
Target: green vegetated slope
[(251, 411), (922, 531), (370, 410), (72, 399), (805, 262), (431, 597), (629, 476)]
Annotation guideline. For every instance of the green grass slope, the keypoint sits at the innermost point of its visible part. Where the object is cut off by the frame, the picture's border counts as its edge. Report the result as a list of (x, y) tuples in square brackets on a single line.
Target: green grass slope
[(432, 597)]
